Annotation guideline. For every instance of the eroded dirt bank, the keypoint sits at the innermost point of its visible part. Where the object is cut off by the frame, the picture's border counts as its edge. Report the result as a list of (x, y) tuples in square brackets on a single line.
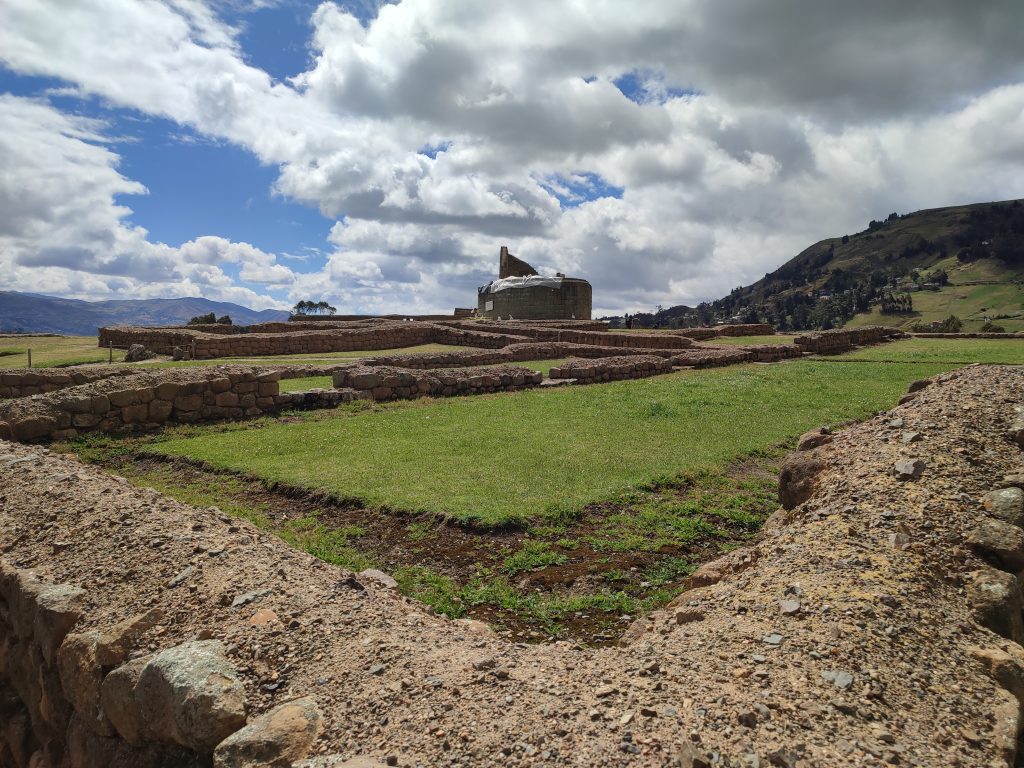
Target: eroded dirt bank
[(850, 635)]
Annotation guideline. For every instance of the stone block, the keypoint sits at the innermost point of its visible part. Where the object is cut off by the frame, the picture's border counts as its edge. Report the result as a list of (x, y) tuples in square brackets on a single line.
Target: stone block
[(135, 414), (226, 399), (34, 428), (100, 405), (124, 397), (167, 391), (191, 402), (221, 384), (160, 410)]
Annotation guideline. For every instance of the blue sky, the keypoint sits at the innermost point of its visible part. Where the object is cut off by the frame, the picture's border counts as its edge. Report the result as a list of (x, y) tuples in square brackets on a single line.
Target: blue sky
[(378, 156)]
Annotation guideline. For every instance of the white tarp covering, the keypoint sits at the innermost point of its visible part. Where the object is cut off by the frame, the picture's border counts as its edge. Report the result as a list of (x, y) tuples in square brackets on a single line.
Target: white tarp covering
[(532, 281)]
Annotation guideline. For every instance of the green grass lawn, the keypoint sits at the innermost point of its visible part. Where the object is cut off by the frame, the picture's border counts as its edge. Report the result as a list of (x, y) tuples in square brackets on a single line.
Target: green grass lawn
[(741, 340), (317, 358), (51, 351), (541, 455), (951, 352)]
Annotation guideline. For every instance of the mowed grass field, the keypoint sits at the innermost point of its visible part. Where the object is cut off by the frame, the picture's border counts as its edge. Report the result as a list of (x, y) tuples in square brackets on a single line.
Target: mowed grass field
[(52, 351), (541, 455)]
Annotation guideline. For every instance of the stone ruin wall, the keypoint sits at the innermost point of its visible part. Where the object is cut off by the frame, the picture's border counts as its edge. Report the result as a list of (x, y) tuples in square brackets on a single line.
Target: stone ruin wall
[(611, 369), (205, 346), (23, 382), (384, 383), (841, 340), (144, 401)]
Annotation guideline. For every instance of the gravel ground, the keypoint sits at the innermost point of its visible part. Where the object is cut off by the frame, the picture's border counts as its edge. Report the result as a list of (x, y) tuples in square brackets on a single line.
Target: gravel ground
[(848, 641)]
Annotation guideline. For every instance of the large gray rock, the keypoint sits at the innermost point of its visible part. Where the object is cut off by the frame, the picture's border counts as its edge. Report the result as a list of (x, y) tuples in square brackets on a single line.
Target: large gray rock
[(278, 738), (798, 478), (1016, 432), (84, 657), (995, 601), (1000, 543), (137, 353), (1006, 504), (189, 695)]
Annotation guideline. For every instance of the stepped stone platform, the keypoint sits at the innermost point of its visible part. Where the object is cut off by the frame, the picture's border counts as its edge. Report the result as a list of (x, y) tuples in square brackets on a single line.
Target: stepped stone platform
[(877, 621)]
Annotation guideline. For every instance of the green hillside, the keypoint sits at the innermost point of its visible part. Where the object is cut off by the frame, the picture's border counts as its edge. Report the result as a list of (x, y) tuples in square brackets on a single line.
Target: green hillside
[(917, 268)]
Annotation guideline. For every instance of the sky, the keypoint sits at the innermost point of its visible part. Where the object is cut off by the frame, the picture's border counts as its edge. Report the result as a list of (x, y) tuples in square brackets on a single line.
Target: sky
[(377, 155)]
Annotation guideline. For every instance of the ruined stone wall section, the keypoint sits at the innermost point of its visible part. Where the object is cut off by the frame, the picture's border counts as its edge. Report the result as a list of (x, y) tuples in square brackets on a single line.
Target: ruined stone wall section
[(144, 401), (94, 699), (206, 346), (743, 329), (22, 382), (384, 383), (513, 353), (842, 339), (611, 369)]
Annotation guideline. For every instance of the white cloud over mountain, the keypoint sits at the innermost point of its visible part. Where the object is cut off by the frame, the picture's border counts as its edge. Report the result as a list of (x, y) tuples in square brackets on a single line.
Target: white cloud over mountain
[(754, 129)]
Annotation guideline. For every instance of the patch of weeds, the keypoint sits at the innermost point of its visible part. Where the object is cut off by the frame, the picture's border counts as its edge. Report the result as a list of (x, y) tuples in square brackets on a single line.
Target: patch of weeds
[(559, 515), (616, 574), (656, 409), (531, 556), (332, 545), (439, 592), (669, 569), (419, 530), (569, 544)]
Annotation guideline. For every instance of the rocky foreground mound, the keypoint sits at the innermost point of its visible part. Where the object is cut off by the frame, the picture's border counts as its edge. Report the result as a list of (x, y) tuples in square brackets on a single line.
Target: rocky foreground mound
[(876, 622)]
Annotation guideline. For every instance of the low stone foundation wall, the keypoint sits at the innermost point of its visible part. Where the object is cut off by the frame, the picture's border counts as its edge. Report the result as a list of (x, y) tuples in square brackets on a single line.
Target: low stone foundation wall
[(22, 382), (841, 340), (712, 357), (143, 401), (611, 369), (772, 353), (387, 383), (93, 698), (743, 329), (200, 345), (513, 353), (619, 340)]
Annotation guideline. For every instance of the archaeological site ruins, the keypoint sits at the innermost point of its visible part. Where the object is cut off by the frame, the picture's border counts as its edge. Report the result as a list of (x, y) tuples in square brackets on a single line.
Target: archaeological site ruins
[(876, 619)]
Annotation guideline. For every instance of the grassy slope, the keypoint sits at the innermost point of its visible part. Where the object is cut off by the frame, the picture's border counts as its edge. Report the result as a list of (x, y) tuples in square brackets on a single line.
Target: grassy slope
[(971, 295), (539, 454), (866, 251)]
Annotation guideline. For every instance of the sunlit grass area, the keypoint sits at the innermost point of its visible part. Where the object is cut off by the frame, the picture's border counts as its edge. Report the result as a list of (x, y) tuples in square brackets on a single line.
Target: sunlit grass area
[(317, 358), (542, 454), (941, 351), (52, 351)]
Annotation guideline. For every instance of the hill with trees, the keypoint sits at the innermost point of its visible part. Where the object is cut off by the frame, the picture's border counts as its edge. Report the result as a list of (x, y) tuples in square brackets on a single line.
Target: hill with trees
[(902, 270)]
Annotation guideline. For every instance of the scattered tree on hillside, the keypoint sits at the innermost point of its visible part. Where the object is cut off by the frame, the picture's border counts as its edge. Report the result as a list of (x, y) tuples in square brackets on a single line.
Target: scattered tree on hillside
[(313, 308), (210, 319), (896, 304)]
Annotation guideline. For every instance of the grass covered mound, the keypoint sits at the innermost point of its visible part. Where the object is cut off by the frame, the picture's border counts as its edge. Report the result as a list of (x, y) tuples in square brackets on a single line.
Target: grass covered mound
[(542, 455)]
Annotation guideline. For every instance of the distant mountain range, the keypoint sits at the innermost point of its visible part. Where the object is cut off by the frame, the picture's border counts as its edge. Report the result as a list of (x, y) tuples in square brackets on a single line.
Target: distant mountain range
[(33, 312)]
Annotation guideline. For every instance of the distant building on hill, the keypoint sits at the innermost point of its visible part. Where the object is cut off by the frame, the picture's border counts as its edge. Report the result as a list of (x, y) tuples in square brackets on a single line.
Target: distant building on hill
[(522, 294)]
